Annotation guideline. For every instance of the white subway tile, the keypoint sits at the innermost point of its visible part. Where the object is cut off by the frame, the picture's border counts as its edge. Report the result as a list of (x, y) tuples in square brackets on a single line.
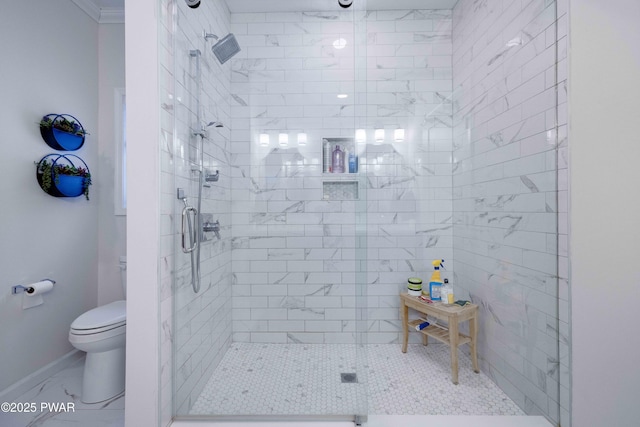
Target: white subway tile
[(247, 17), (265, 28)]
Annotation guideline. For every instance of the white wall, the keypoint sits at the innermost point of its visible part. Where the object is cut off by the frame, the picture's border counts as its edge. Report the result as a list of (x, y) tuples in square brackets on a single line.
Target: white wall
[(49, 63), (143, 125), (604, 94), (112, 228)]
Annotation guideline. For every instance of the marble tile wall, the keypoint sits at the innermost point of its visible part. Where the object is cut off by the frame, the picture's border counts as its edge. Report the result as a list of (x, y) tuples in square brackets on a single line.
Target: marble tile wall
[(295, 254), (199, 325), (509, 193)]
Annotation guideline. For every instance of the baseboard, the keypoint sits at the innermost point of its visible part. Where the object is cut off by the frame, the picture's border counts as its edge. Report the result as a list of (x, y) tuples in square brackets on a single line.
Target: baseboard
[(27, 383)]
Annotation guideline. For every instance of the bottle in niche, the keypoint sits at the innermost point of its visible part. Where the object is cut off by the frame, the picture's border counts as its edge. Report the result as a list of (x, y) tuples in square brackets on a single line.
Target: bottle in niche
[(337, 162), (345, 156), (353, 163), (326, 154)]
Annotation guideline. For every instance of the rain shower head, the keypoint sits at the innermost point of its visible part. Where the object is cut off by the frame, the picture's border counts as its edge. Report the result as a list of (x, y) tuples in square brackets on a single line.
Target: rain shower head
[(226, 48)]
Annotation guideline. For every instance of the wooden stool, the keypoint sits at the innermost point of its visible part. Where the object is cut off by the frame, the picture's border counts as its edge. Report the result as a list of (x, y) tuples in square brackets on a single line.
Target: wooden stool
[(453, 314)]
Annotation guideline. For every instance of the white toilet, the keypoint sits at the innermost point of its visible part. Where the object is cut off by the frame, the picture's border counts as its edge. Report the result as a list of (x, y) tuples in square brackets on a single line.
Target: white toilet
[(101, 332)]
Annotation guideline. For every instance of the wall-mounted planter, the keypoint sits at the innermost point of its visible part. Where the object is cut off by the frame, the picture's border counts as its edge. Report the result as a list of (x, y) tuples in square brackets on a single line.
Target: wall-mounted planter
[(58, 176), (62, 132)]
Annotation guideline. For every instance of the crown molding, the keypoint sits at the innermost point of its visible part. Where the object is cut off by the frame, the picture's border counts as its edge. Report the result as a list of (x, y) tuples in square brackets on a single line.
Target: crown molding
[(90, 8), (104, 15), (111, 15)]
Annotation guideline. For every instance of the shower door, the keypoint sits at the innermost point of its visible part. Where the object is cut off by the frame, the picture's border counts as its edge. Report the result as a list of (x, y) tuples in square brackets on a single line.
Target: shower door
[(277, 329)]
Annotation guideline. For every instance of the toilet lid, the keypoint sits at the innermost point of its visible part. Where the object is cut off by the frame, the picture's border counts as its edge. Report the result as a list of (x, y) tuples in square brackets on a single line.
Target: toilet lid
[(102, 316)]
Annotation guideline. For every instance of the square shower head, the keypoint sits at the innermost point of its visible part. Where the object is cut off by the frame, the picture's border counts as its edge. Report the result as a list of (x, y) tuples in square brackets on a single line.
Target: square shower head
[(225, 48)]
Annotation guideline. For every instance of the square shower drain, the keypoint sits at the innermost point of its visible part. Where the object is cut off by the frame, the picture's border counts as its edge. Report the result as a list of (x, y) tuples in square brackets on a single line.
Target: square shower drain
[(348, 377)]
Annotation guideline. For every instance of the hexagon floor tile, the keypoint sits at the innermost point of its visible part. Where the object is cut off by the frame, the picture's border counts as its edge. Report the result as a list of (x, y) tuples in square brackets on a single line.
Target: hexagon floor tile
[(305, 379)]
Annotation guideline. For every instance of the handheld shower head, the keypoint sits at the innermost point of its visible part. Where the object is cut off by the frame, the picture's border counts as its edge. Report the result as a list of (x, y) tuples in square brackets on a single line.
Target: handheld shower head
[(202, 132)]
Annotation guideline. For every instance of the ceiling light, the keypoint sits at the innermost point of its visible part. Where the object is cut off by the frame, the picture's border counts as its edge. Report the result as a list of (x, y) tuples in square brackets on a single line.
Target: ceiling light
[(264, 139), (514, 42), (361, 135), (343, 95), (379, 135), (340, 43), (398, 135), (283, 139), (302, 138)]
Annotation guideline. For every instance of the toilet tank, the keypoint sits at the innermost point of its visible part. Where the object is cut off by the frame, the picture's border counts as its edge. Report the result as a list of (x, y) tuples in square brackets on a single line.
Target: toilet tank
[(123, 274)]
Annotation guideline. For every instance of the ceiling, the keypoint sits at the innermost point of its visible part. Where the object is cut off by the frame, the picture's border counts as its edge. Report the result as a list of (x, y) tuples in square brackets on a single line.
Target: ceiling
[(240, 6)]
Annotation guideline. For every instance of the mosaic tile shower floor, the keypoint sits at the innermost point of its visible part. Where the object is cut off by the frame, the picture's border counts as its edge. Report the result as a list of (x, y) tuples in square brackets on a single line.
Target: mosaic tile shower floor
[(286, 379)]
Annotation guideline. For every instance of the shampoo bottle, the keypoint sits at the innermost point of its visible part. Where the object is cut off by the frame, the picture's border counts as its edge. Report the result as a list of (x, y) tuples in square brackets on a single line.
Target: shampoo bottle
[(435, 284), (337, 164)]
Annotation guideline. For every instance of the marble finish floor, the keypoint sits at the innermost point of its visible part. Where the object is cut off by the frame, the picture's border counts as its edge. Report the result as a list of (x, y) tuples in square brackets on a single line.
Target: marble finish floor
[(64, 387), (283, 379)]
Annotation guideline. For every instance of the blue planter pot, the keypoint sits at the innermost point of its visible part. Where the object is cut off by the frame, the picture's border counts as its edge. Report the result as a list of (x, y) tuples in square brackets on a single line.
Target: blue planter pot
[(60, 140), (62, 185), (70, 186), (68, 141)]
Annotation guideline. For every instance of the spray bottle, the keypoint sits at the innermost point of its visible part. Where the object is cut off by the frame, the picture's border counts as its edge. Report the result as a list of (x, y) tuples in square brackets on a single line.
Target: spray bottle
[(435, 284)]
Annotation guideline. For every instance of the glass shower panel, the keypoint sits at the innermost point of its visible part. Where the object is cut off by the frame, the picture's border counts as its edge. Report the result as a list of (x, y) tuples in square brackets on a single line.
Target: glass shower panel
[(280, 316), (297, 254), (505, 194), (199, 197)]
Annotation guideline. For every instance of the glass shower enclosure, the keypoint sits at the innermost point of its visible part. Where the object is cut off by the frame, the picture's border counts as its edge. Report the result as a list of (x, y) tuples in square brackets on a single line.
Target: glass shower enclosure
[(447, 118)]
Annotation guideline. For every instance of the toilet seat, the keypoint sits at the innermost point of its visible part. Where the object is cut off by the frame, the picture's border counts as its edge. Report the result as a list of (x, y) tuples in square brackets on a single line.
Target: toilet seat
[(87, 338), (98, 330), (101, 319)]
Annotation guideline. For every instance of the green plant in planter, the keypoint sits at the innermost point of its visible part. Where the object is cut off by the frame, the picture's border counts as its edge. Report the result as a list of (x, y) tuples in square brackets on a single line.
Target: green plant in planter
[(45, 167), (63, 124)]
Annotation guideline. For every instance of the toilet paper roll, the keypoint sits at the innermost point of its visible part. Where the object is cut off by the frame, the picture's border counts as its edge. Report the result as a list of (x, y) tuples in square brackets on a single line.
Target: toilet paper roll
[(32, 297), (30, 302), (39, 288)]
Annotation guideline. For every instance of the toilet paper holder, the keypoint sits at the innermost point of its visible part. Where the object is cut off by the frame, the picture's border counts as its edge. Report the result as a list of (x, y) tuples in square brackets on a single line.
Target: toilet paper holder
[(28, 289)]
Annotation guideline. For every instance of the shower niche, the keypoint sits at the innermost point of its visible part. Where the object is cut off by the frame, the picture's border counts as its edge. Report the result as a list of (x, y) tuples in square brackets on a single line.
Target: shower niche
[(339, 169), (340, 190), (339, 156)]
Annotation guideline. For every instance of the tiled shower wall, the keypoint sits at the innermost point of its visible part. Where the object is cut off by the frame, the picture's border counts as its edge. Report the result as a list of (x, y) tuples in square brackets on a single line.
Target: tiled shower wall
[(201, 328), (294, 253), (506, 204)]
